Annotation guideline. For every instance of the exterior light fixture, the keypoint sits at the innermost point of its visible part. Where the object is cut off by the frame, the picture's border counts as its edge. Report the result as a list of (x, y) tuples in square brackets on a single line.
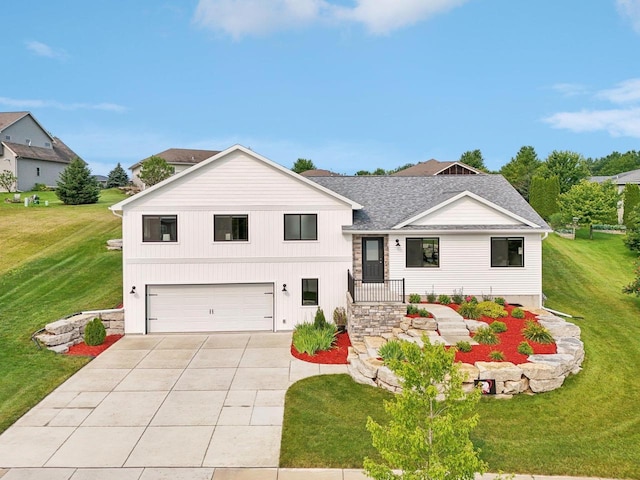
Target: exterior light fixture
[(397, 242), (133, 290), (284, 287)]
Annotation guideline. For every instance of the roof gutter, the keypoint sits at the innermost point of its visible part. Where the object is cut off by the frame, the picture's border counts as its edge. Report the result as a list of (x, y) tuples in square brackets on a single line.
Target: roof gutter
[(441, 232)]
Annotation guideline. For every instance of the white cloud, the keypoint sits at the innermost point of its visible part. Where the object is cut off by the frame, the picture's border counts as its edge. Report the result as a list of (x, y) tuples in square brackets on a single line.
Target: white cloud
[(255, 17), (34, 103), (570, 89), (44, 50), (617, 122), (624, 92), (631, 10)]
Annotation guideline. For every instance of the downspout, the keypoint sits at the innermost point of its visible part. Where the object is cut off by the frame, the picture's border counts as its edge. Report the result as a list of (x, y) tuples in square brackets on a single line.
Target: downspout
[(546, 234), (120, 216)]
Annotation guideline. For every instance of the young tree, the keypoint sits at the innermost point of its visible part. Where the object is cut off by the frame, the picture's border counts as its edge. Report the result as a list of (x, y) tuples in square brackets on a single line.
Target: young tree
[(631, 197), (428, 433), (117, 177), (155, 169), (591, 203), (634, 287), (302, 165), (543, 195), (521, 169), (76, 185), (7, 180), (569, 167), (474, 159)]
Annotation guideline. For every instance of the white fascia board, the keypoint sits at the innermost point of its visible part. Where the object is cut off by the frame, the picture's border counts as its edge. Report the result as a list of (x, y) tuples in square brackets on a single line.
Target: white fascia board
[(472, 195), (464, 165), (414, 233)]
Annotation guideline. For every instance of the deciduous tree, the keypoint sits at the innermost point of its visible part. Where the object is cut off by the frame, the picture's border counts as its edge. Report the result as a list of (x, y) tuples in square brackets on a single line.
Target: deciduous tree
[(474, 159), (7, 180), (521, 169), (117, 177), (77, 186), (427, 436), (569, 167), (302, 165), (590, 203), (155, 169)]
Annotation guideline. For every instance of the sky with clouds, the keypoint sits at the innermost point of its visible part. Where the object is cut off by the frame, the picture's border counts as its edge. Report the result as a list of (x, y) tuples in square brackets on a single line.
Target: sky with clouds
[(351, 84)]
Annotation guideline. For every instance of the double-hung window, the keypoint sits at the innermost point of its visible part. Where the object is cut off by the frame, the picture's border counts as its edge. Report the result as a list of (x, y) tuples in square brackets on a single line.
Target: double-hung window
[(159, 228), (507, 252), (301, 226), (423, 252), (231, 228)]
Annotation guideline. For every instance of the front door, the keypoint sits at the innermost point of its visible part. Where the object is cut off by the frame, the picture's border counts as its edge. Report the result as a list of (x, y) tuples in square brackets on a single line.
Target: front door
[(373, 260)]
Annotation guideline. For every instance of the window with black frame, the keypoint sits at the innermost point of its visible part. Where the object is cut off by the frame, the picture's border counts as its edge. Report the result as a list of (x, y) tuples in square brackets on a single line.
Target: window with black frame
[(231, 228), (423, 252), (159, 228), (300, 226), (507, 252), (309, 291)]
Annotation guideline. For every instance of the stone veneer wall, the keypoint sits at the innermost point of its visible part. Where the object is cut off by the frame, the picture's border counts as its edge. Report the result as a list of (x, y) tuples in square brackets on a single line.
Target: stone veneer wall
[(373, 319), (356, 243), (66, 332)]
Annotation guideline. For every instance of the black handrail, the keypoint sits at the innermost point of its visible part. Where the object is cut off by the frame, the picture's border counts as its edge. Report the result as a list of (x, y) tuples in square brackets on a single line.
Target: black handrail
[(383, 291)]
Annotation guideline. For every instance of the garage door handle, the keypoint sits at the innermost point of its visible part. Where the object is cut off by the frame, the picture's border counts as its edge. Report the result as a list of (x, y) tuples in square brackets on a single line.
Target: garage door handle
[(211, 311)]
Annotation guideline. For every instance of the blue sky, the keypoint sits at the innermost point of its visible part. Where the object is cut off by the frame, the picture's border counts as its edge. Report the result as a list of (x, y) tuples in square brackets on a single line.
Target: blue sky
[(351, 84)]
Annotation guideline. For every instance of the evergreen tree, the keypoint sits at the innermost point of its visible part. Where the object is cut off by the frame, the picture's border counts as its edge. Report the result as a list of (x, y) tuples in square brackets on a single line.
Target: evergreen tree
[(543, 195), (154, 170), (117, 177), (631, 201), (77, 186), (521, 169)]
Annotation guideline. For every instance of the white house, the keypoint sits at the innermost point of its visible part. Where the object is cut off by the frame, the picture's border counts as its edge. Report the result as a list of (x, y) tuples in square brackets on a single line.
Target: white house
[(179, 159), (238, 242)]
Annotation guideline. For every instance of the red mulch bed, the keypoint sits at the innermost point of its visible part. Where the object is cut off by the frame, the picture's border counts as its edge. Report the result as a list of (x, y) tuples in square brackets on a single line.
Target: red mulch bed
[(509, 341), (336, 356), (88, 351)]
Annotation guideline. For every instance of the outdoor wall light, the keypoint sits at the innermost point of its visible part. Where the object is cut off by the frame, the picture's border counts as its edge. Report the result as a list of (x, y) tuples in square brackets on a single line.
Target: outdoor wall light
[(284, 287), (397, 242), (133, 290)]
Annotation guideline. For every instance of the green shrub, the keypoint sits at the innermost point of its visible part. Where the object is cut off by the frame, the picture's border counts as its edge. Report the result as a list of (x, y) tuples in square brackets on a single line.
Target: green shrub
[(469, 310), (444, 299), (431, 297), (340, 317), (457, 298), (415, 298), (525, 349), (319, 321), (517, 313), (309, 339), (486, 336), (471, 299), (423, 312), (463, 346), (41, 187), (499, 301), (491, 309), (412, 309), (498, 327), (94, 332), (535, 332), (496, 355), (392, 350)]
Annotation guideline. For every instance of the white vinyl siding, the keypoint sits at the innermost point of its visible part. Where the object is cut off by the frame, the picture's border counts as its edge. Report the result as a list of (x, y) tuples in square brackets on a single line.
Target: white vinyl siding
[(466, 211)]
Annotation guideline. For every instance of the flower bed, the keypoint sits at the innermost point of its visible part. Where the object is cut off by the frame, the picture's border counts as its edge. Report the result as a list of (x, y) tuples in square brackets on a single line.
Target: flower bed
[(93, 351), (335, 356)]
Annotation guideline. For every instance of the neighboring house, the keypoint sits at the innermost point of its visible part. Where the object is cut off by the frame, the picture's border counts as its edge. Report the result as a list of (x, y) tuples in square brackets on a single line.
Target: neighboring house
[(239, 242), (435, 167), (620, 180), (179, 158), (318, 172), (102, 180), (30, 152)]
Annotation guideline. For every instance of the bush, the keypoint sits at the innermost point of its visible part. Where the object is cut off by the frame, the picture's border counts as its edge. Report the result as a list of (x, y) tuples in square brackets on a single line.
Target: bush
[(463, 346), (491, 309), (412, 310), (431, 297), (41, 187), (517, 313), (309, 339), (339, 316), (94, 332), (499, 301), (444, 299), (535, 332), (319, 321), (496, 355), (423, 312), (457, 298), (392, 350), (486, 336), (76, 185), (471, 299), (498, 327), (414, 298), (469, 310), (525, 349)]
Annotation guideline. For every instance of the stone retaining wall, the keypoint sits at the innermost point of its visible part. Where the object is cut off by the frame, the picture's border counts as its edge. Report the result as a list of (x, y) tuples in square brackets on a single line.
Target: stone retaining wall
[(542, 373), (372, 319), (66, 332)]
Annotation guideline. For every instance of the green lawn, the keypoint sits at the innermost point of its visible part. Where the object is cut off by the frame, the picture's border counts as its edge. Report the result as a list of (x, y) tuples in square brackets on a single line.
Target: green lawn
[(589, 427), (54, 262)]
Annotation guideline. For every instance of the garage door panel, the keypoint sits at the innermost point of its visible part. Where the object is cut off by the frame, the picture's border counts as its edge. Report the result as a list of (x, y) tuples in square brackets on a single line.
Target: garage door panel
[(210, 308)]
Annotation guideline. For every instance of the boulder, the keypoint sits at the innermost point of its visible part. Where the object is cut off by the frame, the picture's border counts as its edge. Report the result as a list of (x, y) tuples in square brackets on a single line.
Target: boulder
[(373, 342), (538, 386), (499, 371), (561, 329), (111, 316), (58, 327), (358, 377), (386, 375), (423, 323), (359, 347), (53, 340), (562, 363), (408, 338), (474, 325), (405, 324), (469, 372), (540, 371), (367, 366), (512, 387)]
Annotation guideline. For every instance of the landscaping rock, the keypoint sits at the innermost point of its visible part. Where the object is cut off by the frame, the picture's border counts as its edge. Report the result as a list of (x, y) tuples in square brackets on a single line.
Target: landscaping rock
[(513, 387), (561, 363), (423, 323), (538, 386), (374, 343), (409, 338), (540, 371), (367, 366), (64, 348), (358, 377), (573, 347), (499, 371), (59, 327), (405, 325), (386, 375), (359, 347), (469, 372), (53, 340), (560, 329), (474, 325)]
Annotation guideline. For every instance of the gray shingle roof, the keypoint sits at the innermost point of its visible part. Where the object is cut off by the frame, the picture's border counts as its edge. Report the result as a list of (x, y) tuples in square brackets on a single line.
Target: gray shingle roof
[(390, 200), (58, 153), (182, 155)]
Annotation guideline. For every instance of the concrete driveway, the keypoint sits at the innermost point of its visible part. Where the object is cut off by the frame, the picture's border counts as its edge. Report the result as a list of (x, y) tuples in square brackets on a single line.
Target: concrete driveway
[(165, 401)]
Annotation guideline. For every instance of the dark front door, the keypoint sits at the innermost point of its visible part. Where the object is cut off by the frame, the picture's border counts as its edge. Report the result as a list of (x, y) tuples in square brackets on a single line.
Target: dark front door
[(373, 260)]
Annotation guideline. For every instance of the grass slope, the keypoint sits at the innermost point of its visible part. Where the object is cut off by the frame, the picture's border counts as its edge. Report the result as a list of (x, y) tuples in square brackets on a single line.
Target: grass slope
[(589, 427), (54, 262)]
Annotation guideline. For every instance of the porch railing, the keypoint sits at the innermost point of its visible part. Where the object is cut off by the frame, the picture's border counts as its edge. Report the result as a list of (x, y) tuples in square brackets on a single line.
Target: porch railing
[(384, 291)]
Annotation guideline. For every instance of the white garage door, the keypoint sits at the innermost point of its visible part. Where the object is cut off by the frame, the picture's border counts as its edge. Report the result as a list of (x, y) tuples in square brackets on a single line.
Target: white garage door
[(209, 308)]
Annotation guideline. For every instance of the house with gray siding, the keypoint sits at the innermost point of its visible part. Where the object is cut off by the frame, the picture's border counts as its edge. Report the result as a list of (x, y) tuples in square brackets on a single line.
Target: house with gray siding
[(239, 243), (30, 152)]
